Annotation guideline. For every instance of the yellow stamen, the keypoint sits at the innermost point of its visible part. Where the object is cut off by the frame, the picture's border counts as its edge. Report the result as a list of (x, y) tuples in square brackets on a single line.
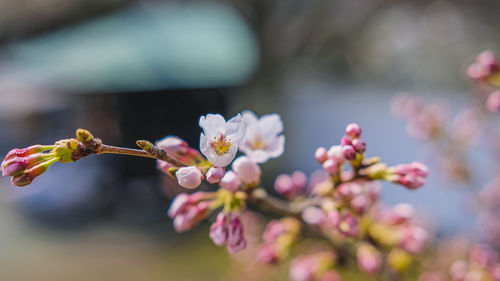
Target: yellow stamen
[(221, 145), (257, 144)]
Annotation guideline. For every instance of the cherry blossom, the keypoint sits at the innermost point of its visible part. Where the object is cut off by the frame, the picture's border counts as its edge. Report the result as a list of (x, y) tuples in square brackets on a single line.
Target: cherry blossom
[(220, 140), (264, 139)]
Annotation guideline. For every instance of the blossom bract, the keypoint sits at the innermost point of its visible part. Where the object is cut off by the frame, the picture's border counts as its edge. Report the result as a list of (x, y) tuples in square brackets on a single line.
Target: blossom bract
[(263, 137), (220, 140)]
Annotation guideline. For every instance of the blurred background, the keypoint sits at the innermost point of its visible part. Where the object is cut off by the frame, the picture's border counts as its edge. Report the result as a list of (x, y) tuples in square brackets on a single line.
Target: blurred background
[(128, 70)]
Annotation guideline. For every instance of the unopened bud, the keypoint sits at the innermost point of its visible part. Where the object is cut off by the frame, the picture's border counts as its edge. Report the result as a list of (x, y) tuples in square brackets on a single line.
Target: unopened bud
[(248, 171), (219, 230), (353, 130), (369, 258), (359, 145), (336, 154), (230, 181), (321, 154), (236, 238), (493, 102), (189, 177), (330, 167), (215, 174), (349, 152)]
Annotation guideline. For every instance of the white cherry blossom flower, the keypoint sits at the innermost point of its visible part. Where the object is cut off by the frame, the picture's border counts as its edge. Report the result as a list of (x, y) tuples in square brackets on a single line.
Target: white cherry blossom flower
[(263, 139), (220, 140)]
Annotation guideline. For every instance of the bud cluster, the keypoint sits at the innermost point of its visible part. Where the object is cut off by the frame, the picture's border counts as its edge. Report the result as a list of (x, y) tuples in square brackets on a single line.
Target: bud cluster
[(337, 205), (25, 164), (228, 229), (314, 267), (475, 262), (485, 68), (279, 238)]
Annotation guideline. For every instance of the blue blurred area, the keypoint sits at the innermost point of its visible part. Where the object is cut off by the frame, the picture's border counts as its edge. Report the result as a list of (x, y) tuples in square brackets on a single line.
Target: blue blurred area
[(144, 47)]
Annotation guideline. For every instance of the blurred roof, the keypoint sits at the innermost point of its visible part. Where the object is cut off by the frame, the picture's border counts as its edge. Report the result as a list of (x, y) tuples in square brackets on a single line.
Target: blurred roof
[(143, 47)]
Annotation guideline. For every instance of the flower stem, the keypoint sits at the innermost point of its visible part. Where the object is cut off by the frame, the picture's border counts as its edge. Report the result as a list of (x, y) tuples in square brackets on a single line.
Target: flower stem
[(123, 151)]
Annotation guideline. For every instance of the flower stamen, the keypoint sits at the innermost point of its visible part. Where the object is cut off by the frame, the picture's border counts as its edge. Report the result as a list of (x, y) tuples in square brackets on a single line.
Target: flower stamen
[(221, 145)]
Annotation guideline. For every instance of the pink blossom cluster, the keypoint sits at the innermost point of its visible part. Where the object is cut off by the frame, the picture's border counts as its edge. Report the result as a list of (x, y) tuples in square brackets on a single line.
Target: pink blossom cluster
[(451, 138), (337, 208), (485, 67), (279, 238), (424, 120), (477, 262), (318, 266)]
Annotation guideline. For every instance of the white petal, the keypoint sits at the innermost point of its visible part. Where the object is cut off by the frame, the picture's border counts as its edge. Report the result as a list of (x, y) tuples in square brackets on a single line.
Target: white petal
[(204, 145), (236, 130), (270, 125), (213, 125), (224, 159), (258, 156), (277, 148), (249, 117)]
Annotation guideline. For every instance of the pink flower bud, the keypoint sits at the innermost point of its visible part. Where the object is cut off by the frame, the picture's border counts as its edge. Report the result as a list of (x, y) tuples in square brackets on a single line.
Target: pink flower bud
[(336, 154), (349, 152), (268, 254), (348, 225), (369, 258), (483, 255), (359, 145), (188, 210), (313, 215), (399, 214), (360, 204), (219, 230), (321, 155), (189, 177), (248, 171), (330, 167), (414, 239), (28, 176), (373, 189), (299, 180), (178, 205), (215, 174), (273, 230), (164, 166), (283, 184), (411, 175), (302, 269), (191, 216), (486, 65), (353, 130), (177, 148), (493, 102), (458, 270), (313, 267), (13, 167), (236, 239), (332, 219), (349, 190), (345, 141), (24, 165), (230, 181), (487, 58), (23, 152)]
